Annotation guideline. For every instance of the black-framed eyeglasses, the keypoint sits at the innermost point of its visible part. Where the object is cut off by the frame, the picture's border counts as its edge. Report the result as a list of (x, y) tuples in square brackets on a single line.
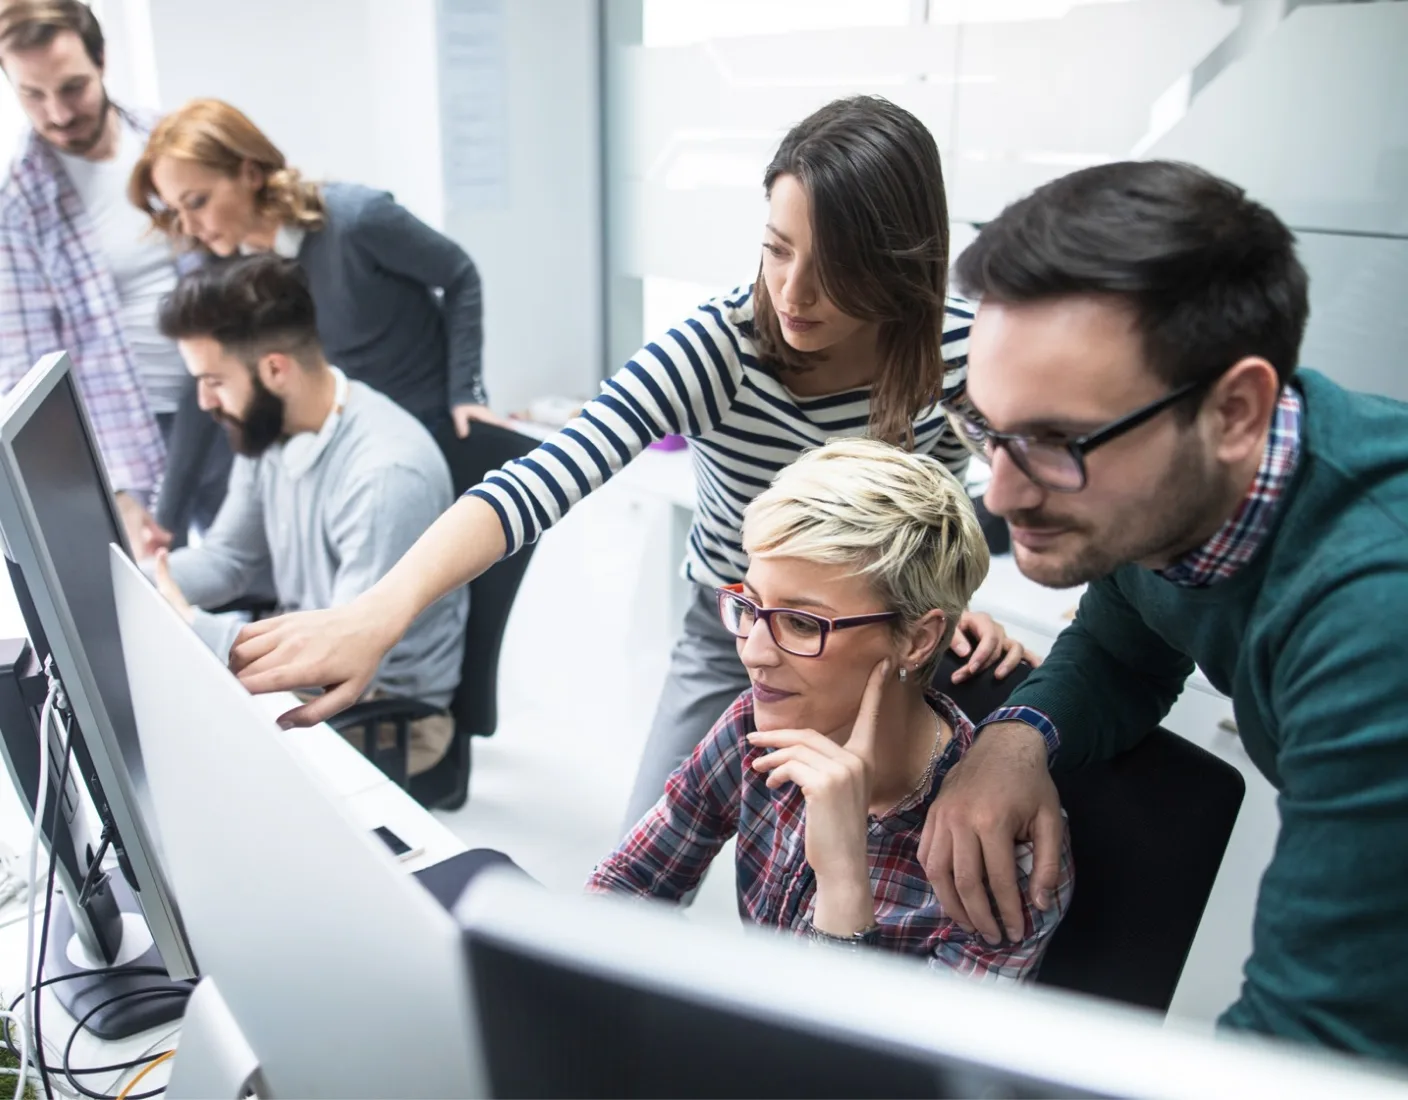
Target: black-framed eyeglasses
[(799, 633), (1058, 464)]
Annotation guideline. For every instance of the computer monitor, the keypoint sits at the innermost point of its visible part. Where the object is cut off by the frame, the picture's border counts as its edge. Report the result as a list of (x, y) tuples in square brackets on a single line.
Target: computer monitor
[(57, 518), (585, 996), (327, 969)]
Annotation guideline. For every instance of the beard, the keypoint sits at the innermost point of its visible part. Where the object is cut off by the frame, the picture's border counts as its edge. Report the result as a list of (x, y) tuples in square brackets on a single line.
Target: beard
[(82, 135), (1165, 527), (259, 427)]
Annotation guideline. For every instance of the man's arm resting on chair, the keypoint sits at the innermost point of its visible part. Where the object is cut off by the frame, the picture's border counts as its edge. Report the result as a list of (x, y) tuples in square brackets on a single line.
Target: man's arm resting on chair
[(1107, 682)]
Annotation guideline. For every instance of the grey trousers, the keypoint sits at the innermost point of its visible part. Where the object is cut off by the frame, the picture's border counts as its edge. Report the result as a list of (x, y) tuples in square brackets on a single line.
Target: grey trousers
[(705, 677)]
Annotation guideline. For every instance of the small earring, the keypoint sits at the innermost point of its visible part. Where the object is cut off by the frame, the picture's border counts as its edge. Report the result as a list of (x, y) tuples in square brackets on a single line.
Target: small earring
[(904, 674)]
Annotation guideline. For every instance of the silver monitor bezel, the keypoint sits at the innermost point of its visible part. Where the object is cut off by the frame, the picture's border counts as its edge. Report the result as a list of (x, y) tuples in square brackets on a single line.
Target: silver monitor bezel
[(19, 527)]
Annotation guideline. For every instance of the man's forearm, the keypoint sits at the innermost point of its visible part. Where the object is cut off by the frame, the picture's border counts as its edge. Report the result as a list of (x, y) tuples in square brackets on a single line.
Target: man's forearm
[(1107, 682), (210, 579)]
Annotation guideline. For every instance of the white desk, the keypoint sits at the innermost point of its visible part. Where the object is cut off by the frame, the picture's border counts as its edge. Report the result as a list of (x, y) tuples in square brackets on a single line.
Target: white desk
[(369, 798)]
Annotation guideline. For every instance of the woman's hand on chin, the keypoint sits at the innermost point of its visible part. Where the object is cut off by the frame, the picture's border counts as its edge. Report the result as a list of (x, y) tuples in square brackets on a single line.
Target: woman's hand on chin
[(835, 780)]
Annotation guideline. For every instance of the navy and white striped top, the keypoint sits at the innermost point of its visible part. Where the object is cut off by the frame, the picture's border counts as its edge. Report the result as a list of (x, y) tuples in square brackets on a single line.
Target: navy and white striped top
[(703, 380)]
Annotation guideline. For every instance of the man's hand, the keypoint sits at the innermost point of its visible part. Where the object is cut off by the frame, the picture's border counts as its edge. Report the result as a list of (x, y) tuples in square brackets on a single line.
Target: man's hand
[(998, 794), (338, 649), (836, 782), (144, 534), (465, 415), (169, 589), (983, 641)]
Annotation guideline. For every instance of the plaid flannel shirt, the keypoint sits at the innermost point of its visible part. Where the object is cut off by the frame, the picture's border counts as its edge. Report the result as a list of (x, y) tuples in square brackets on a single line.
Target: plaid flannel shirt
[(57, 293), (716, 794), (1238, 540)]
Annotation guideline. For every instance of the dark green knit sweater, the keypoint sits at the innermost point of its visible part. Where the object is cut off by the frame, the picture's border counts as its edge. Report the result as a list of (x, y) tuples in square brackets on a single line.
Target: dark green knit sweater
[(1309, 641)]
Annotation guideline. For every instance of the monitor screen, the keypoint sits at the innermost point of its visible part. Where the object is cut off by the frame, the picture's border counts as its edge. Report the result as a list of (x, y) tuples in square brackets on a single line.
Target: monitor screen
[(551, 1029), (79, 520), (58, 518)]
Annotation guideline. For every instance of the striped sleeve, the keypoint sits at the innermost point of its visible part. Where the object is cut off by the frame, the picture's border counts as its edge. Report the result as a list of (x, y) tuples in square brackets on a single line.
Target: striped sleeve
[(958, 320), (942, 443), (681, 384)]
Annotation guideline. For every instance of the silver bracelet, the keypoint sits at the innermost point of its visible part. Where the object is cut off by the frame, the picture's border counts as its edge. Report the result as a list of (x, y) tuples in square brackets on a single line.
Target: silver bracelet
[(865, 937)]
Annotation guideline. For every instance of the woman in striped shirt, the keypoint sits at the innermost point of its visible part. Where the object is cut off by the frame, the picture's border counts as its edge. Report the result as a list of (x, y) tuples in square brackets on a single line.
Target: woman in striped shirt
[(845, 331)]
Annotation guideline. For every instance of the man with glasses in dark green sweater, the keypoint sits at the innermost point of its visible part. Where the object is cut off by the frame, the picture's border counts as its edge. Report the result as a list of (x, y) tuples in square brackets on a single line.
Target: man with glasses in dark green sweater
[(1132, 379)]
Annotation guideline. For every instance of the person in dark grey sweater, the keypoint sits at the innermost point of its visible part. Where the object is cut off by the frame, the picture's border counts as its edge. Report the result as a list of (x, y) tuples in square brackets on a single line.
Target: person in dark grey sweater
[(399, 304), (331, 484)]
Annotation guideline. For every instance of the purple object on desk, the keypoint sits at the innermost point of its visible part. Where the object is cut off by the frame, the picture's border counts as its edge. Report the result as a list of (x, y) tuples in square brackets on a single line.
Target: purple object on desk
[(670, 443)]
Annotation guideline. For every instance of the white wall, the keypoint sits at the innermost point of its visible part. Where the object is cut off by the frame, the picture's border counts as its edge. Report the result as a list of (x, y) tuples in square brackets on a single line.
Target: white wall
[(1298, 102), (352, 90), (540, 249)]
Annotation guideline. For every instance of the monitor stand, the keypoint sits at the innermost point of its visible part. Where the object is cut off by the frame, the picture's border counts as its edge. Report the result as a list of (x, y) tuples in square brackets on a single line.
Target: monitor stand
[(160, 1001)]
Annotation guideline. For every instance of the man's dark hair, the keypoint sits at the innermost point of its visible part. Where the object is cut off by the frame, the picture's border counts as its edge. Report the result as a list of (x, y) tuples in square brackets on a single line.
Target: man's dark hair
[(33, 24), (249, 305), (1210, 275)]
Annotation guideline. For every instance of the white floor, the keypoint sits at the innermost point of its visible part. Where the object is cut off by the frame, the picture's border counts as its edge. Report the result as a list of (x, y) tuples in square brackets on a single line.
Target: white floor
[(582, 664)]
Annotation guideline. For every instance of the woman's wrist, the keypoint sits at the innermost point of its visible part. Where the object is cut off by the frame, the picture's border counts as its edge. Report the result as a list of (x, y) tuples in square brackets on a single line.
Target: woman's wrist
[(387, 612), (845, 904)]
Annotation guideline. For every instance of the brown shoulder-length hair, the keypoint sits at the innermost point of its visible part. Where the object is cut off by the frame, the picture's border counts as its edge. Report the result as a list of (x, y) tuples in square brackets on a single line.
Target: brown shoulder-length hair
[(879, 216), (211, 133)]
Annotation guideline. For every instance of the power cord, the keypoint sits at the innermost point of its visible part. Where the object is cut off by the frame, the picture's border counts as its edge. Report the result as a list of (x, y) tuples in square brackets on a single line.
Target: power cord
[(129, 971), (128, 995), (95, 874), (49, 909), (51, 703), (55, 704), (126, 1093), (62, 1063)]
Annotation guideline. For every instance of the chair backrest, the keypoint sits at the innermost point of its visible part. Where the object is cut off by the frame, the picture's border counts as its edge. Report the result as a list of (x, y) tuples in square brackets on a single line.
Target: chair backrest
[(491, 594), (1148, 833)]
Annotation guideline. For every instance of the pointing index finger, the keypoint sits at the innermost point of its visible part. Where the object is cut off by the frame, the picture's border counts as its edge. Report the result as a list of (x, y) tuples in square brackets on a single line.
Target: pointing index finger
[(862, 739)]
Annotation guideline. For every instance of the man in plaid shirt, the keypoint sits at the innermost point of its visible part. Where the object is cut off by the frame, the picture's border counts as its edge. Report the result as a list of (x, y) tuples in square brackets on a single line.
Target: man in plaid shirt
[(829, 824), (78, 271)]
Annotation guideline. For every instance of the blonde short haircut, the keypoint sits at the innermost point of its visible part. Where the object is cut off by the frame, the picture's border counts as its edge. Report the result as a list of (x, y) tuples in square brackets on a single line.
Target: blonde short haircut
[(897, 517)]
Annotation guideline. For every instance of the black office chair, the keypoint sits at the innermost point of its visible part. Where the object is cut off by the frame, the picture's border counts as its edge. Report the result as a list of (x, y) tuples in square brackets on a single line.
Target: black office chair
[(491, 595), (1148, 833)]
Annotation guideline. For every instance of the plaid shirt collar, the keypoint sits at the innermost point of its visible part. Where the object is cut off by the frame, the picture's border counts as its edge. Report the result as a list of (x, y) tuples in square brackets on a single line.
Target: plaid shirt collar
[(1238, 540)]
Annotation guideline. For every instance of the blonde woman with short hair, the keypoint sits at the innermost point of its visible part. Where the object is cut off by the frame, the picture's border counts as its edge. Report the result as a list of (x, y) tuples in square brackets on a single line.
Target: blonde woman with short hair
[(862, 557)]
